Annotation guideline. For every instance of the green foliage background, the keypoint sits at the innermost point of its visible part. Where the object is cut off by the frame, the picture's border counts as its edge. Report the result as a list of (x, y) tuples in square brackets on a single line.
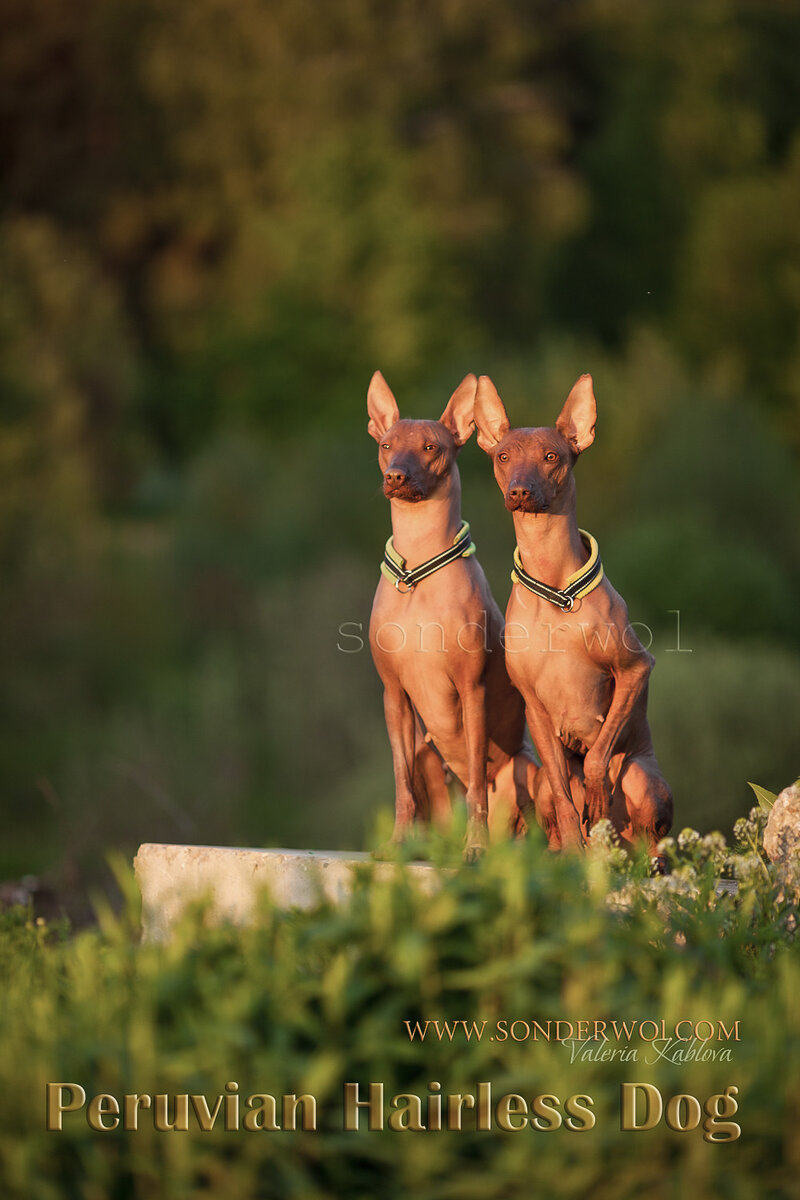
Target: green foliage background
[(216, 221)]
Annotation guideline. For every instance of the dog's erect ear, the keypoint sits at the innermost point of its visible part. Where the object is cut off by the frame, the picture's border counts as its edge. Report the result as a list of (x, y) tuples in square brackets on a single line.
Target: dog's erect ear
[(579, 416), (381, 406), (459, 416), (490, 416)]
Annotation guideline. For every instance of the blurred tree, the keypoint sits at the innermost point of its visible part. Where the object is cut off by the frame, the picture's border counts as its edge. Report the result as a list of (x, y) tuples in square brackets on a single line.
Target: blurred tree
[(391, 175), (691, 166), (267, 185)]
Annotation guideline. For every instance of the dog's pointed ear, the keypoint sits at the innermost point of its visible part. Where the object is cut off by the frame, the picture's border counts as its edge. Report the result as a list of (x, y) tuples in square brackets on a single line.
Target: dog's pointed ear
[(381, 406), (490, 416), (459, 416), (578, 417)]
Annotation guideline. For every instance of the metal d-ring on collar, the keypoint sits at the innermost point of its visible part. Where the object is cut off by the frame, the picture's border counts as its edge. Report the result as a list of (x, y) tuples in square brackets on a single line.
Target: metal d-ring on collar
[(576, 587), (394, 566)]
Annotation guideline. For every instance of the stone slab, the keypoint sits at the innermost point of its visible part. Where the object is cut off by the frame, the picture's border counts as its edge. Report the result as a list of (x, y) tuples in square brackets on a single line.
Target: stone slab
[(231, 879)]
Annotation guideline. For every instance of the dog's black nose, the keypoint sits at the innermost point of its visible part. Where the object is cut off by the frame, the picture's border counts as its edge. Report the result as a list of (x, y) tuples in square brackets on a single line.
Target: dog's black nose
[(395, 477), (517, 493)]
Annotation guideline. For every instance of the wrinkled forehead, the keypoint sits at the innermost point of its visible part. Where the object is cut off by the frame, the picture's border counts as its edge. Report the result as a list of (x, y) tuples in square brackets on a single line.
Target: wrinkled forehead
[(532, 441), (413, 432)]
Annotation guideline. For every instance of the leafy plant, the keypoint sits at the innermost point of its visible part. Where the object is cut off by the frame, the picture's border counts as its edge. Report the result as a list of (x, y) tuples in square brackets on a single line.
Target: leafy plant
[(765, 798), (304, 1002)]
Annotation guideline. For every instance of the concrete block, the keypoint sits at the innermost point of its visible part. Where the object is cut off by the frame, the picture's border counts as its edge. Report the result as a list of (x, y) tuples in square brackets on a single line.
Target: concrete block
[(231, 878)]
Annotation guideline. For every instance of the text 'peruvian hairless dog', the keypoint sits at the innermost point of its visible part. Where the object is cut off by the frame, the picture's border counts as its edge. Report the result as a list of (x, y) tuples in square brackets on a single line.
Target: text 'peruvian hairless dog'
[(435, 635), (569, 646)]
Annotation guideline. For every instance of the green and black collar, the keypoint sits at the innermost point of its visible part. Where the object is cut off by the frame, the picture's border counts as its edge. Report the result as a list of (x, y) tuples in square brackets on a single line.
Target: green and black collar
[(394, 566), (576, 587)]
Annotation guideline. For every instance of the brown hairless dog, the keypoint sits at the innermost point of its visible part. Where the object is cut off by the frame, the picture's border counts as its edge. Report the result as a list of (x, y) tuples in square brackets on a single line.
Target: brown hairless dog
[(569, 646), (435, 635)]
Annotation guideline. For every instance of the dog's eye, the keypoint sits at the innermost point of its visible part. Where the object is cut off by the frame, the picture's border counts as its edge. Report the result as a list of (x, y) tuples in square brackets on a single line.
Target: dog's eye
[(431, 447), (551, 456), (503, 456), (384, 445)]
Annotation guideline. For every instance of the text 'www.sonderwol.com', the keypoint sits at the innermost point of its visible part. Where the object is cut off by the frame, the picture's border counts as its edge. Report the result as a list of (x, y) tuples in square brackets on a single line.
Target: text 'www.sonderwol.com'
[(520, 1030)]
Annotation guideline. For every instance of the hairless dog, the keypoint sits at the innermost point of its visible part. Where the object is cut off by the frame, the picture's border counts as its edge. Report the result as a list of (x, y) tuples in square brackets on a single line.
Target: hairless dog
[(569, 646), (435, 635)]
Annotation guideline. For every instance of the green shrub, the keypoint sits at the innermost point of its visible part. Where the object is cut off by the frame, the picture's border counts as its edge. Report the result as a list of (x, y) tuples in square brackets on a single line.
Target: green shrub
[(303, 1002)]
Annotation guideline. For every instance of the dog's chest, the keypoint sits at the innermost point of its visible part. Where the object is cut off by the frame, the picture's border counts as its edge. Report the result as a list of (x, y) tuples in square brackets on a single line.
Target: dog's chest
[(550, 653), (444, 621)]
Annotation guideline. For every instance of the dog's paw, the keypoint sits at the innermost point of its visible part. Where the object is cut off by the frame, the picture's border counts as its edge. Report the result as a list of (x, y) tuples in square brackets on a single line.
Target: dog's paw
[(474, 851), (598, 804), (659, 865), (476, 842)]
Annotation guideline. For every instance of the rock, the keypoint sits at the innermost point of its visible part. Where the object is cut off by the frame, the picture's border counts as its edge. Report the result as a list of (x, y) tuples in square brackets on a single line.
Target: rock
[(782, 834)]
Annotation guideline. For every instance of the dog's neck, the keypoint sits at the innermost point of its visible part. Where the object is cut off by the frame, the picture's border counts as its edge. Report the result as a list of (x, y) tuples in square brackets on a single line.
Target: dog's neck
[(550, 543), (423, 529)]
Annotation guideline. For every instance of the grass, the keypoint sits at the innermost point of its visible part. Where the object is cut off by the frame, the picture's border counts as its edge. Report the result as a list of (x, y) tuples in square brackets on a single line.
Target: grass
[(304, 1002)]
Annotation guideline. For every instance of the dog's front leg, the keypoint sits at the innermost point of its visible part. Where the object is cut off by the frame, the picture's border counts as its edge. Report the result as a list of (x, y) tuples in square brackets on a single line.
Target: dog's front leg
[(473, 711), (630, 688), (401, 727), (554, 762)]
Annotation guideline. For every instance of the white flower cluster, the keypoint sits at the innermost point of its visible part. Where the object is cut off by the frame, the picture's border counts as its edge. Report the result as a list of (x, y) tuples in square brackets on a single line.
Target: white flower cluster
[(702, 868), (604, 841), (749, 831)]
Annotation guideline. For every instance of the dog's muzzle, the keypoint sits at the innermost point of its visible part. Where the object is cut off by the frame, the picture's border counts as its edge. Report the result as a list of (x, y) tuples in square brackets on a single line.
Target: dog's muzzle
[(524, 498), (397, 486)]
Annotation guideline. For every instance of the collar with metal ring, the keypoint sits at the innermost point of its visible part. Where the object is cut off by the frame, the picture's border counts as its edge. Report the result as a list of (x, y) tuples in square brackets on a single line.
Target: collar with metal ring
[(576, 587), (394, 565)]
